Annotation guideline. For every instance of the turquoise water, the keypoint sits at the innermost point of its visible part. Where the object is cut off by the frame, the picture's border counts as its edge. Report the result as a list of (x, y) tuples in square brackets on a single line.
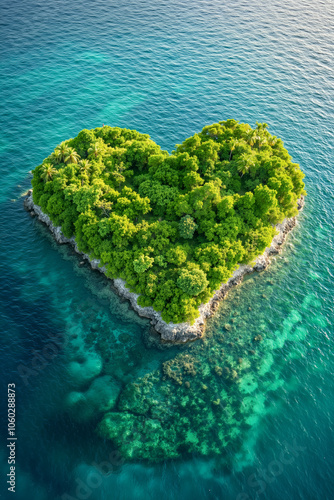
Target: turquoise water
[(167, 69)]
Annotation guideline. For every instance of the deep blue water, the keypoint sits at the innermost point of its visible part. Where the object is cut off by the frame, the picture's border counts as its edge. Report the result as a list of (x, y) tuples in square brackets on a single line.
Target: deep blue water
[(166, 68)]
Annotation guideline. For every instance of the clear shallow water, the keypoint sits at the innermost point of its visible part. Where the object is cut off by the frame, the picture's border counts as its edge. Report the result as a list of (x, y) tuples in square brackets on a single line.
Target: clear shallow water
[(168, 69)]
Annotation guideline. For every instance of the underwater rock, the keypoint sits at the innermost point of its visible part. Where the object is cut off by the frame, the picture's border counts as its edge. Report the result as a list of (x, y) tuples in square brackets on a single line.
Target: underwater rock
[(103, 393), (100, 397), (258, 338), (83, 372), (132, 399), (176, 368), (129, 433), (180, 332), (219, 370), (213, 415), (74, 399)]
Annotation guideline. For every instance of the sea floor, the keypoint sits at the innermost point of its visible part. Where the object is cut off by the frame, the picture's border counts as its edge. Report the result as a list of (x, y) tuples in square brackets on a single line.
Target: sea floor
[(104, 410)]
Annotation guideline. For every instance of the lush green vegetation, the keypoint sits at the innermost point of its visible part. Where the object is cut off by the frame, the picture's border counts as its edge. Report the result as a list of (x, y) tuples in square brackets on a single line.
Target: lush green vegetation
[(174, 226)]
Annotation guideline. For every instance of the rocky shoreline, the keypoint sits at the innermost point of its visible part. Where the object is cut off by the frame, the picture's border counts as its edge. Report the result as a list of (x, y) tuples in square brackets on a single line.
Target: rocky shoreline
[(171, 332)]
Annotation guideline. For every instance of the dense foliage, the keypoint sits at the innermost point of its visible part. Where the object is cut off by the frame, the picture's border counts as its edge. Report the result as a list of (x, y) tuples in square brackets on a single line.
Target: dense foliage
[(174, 226)]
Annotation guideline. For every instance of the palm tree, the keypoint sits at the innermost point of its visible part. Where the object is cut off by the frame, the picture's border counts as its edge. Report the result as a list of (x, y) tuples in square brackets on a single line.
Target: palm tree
[(261, 126), (95, 150), (85, 166), (233, 144), (245, 162), (251, 137), (53, 158), (61, 152), (260, 139), (48, 171), (72, 156), (272, 141), (261, 134)]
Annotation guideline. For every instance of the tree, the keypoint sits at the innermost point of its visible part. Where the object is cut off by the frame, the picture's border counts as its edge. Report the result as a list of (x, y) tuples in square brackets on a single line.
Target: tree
[(192, 281), (225, 207), (85, 166), (230, 123), (105, 207), (118, 173), (272, 141), (47, 172), (97, 148), (61, 152), (261, 126), (143, 263), (71, 156), (176, 255), (265, 200), (85, 197), (251, 137), (233, 144), (173, 226), (187, 227), (191, 180), (245, 163)]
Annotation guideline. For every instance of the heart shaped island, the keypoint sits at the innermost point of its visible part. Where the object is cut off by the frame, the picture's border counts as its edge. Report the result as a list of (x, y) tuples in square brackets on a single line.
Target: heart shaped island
[(173, 231)]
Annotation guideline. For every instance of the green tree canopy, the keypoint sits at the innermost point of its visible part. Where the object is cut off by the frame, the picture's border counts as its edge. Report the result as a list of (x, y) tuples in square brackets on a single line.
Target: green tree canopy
[(187, 227), (143, 263), (173, 226), (192, 281)]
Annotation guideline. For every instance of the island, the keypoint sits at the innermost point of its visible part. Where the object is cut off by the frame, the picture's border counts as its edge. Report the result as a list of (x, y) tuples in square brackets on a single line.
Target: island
[(173, 231)]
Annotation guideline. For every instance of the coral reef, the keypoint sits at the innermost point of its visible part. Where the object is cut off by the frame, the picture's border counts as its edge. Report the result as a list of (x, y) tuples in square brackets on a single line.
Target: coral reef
[(206, 399), (180, 366)]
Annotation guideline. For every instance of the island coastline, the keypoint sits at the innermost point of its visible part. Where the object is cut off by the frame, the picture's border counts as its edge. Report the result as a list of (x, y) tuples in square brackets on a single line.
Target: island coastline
[(175, 332)]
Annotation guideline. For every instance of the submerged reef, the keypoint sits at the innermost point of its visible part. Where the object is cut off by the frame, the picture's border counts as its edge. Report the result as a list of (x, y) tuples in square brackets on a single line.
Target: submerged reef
[(207, 399)]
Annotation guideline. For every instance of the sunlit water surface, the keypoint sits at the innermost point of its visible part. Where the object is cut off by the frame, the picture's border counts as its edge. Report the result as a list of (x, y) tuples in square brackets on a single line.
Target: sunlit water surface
[(263, 427)]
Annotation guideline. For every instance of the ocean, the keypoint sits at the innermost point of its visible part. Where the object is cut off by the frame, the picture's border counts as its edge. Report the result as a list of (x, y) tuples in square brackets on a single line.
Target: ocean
[(166, 68)]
